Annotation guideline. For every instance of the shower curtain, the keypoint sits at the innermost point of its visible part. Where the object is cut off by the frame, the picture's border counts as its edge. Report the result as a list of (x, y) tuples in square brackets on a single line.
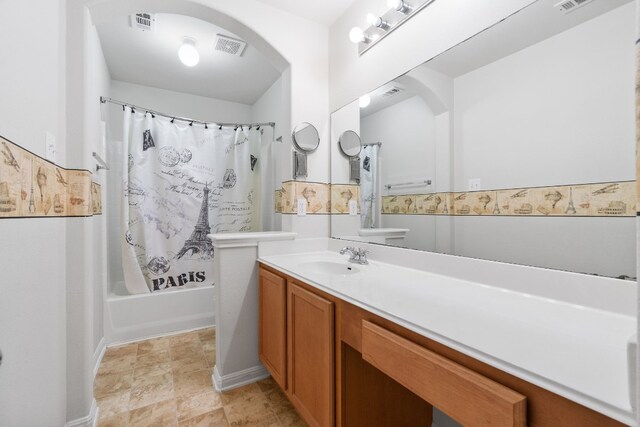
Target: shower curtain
[(368, 185), (182, 181)]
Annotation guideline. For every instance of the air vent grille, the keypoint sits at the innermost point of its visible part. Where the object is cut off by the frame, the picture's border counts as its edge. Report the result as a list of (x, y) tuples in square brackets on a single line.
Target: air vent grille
[(143, 21), (567, 6), (393, 91), (229, 45)]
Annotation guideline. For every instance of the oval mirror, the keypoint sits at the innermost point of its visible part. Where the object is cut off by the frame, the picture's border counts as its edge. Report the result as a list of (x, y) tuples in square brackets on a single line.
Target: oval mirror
[(349, 143), (305, 137)]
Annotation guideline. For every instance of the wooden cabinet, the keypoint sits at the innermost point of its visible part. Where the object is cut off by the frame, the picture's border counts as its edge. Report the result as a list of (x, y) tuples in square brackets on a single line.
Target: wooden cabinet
[(342, 365), (272, 298), (297, 337), (310, 342)]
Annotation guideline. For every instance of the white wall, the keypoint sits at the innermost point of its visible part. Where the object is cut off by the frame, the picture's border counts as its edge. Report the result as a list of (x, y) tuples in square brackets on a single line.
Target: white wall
[(273, 106), (86, 77), (582, 131), (559, 112), (32, 256), (407, 131)]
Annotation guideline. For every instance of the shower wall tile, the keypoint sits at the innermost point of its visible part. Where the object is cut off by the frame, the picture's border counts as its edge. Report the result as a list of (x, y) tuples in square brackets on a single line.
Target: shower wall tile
[(341, 195), (608, 199), (31, 186)]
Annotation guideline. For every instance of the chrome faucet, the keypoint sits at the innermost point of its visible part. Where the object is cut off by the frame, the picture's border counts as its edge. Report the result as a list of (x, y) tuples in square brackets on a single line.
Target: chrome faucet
[(357, 256)]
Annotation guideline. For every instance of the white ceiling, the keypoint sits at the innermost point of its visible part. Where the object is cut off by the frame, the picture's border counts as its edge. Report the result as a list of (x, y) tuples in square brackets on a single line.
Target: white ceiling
[(151, 59), (324, 12)]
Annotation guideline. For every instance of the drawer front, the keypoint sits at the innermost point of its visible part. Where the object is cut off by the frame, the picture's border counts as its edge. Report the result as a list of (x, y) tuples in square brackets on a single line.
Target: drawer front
[(463, 394)]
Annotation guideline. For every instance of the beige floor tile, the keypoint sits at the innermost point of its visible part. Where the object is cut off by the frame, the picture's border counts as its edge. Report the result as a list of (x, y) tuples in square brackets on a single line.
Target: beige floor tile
[(145, 380), (153, 345), (208, 334), (182, 339), (160, 414), (211, 358), (215, 418), (186, 351), (192, 382), (119, 364), (151, 370), (291, 419), (120, 420), (119, 351), (155, 389), (208, 345), (240, 393), (196, 362), (105, 384), (267, 384), (250, 409), (113, 404), (197, 404), (150, 359)]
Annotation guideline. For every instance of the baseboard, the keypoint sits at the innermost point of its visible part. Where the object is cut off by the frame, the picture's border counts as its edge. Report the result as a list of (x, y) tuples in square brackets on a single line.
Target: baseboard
[(98, 355), (90, 420), (238, 379)]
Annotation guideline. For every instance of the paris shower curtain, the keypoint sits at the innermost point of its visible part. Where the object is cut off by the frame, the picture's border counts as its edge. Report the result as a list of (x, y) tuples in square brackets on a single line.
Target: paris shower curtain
[(369, 185), (182, 181)]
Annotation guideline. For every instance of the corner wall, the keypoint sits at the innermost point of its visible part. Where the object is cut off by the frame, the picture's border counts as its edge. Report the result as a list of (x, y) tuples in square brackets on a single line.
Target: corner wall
[(32, 250)]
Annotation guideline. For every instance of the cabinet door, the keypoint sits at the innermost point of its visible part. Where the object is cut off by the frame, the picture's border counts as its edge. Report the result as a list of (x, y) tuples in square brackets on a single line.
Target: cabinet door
[(272, 300), (311, 357)]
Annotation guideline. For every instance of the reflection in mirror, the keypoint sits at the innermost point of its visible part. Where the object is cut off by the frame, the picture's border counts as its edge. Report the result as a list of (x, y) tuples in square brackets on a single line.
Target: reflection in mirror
[(305, 137), (516, 145), (349, 143)]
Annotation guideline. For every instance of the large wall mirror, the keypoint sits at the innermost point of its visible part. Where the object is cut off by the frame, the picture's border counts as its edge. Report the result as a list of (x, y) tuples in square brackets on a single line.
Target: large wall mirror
[(517, 145)]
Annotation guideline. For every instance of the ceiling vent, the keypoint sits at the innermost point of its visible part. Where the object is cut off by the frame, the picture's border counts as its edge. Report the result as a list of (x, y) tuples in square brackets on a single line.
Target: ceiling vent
[(143, 21), (229, 45), (393, 91), (567, 6)]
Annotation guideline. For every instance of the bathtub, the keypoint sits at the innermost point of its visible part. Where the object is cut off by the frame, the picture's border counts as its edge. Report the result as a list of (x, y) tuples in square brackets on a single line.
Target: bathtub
[(137, 317)]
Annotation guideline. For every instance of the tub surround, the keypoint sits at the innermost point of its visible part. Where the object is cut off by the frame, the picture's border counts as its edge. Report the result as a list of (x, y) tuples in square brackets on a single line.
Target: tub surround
[(550, 328), (236, 306)]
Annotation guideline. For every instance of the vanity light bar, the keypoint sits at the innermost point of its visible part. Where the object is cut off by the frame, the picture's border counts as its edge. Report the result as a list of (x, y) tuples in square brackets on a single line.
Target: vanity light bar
[(399, 12)]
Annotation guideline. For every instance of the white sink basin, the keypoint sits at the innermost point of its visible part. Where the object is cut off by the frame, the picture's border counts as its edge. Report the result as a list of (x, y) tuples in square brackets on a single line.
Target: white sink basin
[(328, 267)]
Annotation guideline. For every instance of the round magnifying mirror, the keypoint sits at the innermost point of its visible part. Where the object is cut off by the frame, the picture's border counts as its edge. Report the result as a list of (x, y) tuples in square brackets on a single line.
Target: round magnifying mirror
[(305, 137), (349, 143)]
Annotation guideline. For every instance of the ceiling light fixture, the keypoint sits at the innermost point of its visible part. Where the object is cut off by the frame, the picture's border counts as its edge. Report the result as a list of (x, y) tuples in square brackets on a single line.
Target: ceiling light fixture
[(188, 53), (364, 101), (377, 21), (356, 35), (400, 6)]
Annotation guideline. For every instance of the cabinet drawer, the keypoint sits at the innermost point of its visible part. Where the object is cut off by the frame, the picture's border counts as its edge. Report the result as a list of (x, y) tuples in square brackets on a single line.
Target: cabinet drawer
[(463, 394)]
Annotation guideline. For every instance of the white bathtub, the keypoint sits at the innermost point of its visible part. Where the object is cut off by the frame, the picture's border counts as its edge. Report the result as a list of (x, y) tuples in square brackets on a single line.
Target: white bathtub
[(137, 317)]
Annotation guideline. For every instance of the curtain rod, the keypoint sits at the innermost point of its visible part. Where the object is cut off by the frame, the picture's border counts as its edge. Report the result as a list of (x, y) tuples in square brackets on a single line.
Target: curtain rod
[(104, 99)]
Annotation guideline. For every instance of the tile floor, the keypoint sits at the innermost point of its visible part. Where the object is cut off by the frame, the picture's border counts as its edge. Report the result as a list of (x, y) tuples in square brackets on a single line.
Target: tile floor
[(167, 382)]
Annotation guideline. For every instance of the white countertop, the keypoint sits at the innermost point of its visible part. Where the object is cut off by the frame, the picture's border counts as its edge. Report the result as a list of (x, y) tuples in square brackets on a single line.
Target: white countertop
[(575, 351)]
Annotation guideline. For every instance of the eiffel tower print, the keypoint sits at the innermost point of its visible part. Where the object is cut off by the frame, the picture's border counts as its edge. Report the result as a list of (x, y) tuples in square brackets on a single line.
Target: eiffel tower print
[(199, 243)]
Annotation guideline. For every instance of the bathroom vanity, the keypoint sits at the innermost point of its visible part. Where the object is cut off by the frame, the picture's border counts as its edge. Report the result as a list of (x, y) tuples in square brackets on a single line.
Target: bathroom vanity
[(352, 350)]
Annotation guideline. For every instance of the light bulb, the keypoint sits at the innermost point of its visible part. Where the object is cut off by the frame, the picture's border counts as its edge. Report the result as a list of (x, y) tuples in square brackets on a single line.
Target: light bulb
[(373, 20), (400, 6), (364, 101), (188, 53), (356, 35)]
